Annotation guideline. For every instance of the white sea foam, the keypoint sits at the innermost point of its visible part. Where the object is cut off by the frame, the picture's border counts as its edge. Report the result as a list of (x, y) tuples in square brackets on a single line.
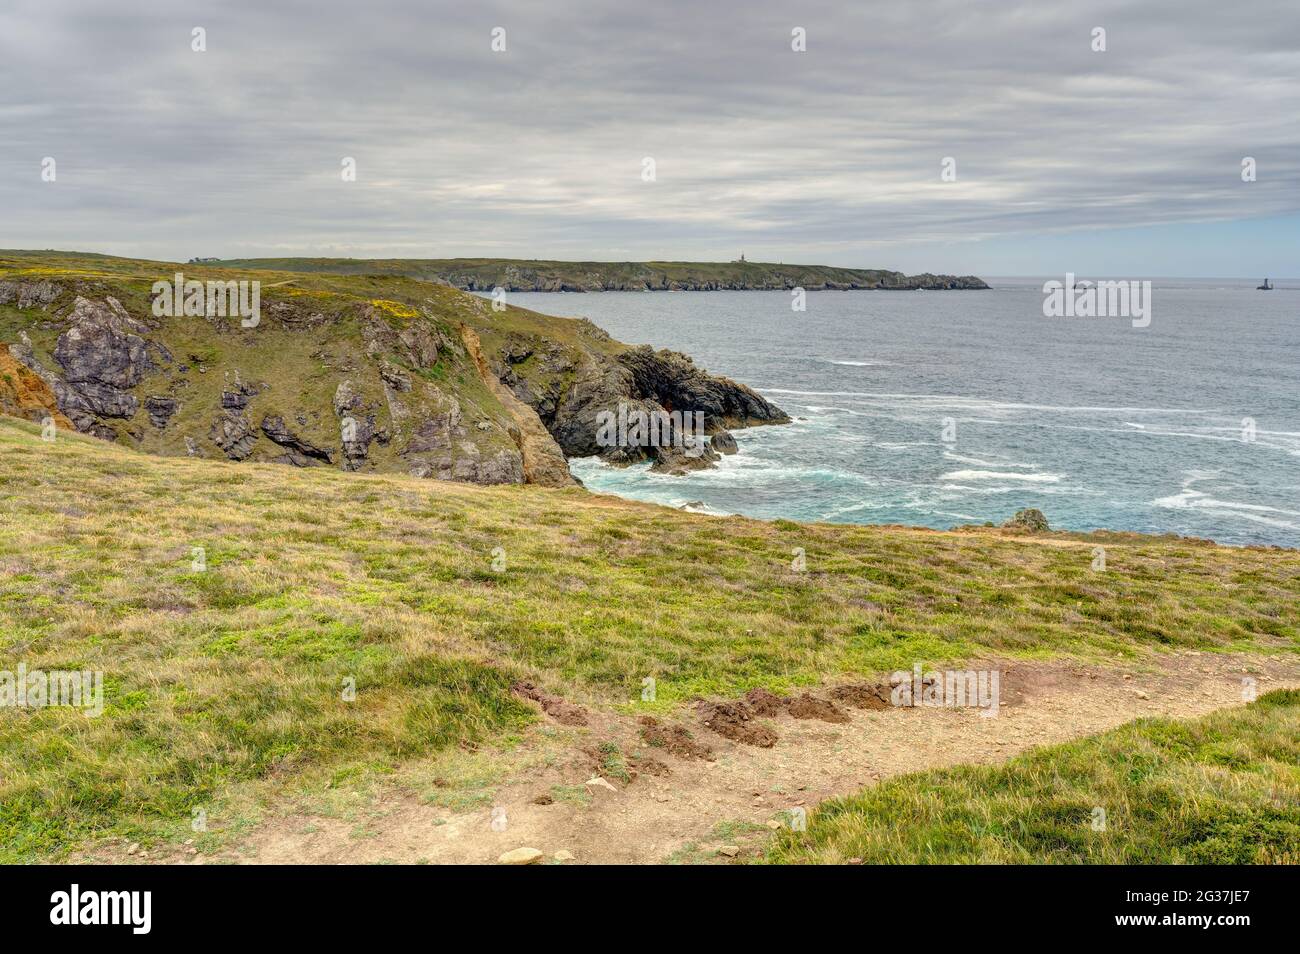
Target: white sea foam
[(958, 401), (981, 463), (1000, 475)]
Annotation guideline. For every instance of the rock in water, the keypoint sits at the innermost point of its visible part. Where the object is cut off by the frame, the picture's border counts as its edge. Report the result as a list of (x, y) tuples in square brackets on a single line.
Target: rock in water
[(723, 443), (521, 856), (1028, 519)]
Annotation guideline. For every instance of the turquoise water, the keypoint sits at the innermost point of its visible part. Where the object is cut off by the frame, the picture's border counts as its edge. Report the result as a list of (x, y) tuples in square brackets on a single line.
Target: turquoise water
[(1093, 421)]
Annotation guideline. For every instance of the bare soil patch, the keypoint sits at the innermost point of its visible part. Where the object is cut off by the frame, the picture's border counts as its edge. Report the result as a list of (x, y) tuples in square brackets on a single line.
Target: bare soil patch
[(565, 713)]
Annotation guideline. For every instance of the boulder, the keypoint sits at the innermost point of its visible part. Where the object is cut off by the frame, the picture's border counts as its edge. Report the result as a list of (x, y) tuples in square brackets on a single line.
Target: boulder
[(1028, 519), (676, 462), (723, 443), (520, 856)]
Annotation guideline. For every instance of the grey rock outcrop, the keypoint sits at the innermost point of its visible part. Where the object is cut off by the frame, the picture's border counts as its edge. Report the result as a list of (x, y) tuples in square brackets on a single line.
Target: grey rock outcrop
[(160, 408), (301, 453), (29, 294), (671, 379), (234, 435), (1029, 519), (723, 443)]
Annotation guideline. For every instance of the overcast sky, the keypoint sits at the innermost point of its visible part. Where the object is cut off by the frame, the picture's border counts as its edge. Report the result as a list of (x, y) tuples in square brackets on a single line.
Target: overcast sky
[(1123, 162)]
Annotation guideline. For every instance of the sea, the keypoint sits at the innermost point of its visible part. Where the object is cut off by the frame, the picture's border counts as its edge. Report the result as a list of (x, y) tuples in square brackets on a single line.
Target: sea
[(941, 408)]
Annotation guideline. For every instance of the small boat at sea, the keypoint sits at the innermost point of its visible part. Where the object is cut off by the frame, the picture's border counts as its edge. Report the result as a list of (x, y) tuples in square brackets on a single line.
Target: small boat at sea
[(1264, 287)]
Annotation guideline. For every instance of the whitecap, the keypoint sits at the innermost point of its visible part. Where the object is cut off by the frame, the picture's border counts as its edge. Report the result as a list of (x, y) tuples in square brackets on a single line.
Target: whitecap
[(1000, 475)]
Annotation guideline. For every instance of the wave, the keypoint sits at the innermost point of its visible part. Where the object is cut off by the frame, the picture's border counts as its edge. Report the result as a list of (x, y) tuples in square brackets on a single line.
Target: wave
[(958, 401), (1000, 475), (1256, 513), (981, 463)]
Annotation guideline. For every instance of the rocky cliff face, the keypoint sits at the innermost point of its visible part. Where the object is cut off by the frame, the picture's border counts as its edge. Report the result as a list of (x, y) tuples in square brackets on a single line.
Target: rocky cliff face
[(571, 386), (349, 381)]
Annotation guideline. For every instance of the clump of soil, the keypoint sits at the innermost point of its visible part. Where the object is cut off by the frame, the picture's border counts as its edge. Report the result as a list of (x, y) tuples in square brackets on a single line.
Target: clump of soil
[(565, 713), (734, 721), (648, 765), (810, 707), (863, 695), (766, 704), (673, 739), (763, 703)]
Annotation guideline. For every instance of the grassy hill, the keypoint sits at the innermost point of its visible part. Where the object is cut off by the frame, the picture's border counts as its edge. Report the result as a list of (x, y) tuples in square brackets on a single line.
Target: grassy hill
[(485, 274), (229, 604)]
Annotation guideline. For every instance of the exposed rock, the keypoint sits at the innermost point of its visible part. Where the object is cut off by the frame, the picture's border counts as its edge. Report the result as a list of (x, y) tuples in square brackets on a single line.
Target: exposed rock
[(1028, 519), (520, 856), (237, 399), (103, 346), (541, 459), (395, 377), (671, 379), (723, 443), (676, 461), (572, 388), (303, 453), (357, 429), (234, 435), (29, 294), (161, 409), (92, 398)]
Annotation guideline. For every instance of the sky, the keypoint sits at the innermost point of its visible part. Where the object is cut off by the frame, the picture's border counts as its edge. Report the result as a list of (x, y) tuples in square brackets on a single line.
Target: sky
[(1122, 162)]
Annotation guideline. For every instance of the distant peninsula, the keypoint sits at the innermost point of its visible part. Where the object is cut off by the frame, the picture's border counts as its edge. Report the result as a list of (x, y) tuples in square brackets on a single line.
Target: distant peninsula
[(517, 275)]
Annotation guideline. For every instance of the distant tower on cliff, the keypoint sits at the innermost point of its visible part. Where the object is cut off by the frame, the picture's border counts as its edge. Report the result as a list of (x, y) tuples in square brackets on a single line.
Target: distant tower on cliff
[(742, 258)]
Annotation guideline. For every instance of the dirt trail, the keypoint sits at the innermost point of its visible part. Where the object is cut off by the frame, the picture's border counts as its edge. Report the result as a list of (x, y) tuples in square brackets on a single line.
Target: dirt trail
[(673, 809)]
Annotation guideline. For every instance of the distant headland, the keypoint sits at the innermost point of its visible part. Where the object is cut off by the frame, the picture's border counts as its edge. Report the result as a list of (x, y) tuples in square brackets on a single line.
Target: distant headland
[(516, 275)]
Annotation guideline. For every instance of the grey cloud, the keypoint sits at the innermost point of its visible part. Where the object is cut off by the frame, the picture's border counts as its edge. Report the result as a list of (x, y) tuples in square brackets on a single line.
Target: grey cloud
[(828, 155)]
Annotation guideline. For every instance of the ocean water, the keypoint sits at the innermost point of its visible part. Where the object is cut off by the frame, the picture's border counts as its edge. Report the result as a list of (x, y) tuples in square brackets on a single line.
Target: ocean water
[(1188, 426)]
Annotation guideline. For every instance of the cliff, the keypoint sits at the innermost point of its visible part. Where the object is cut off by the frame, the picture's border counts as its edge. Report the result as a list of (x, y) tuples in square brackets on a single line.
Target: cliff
[(485, 274), (361, 373)]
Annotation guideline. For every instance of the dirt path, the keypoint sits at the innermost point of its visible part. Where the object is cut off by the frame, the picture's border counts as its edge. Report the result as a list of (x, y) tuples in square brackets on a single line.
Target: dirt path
[(694, 807)]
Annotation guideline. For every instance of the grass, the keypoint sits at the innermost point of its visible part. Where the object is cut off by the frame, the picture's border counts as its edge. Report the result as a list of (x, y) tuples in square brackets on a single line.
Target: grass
[(1222, 789), (234, 675)]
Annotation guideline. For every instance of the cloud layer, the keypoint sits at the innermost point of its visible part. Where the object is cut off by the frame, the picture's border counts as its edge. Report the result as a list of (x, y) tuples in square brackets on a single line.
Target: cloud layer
[(829, 155)]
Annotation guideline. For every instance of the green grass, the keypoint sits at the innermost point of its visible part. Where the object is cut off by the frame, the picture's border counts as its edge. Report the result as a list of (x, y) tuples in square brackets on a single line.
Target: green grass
[(233, 676), (1222, 789)]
